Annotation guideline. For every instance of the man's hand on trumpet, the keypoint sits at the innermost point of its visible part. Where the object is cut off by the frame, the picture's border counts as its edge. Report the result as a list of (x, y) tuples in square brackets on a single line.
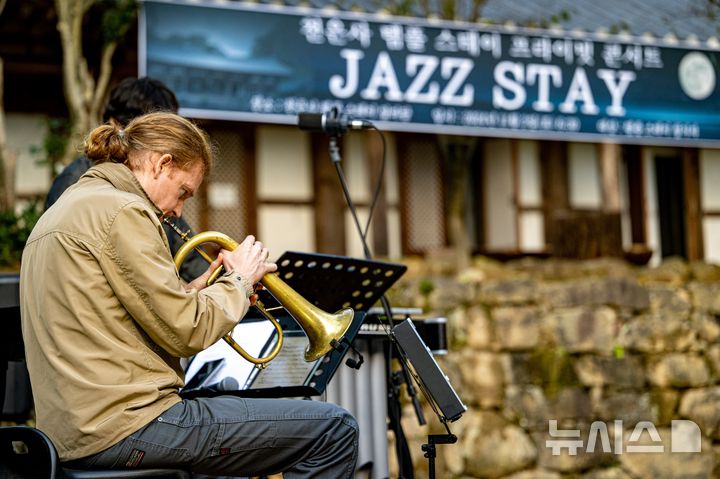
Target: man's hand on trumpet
[(249, 261)]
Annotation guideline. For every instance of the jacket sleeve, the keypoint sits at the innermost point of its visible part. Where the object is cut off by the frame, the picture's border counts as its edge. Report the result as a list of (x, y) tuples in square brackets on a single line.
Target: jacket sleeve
[(142, 274)]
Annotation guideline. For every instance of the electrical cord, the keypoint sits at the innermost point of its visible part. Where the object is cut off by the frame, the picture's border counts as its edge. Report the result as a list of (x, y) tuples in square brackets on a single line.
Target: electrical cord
[(378, 186)]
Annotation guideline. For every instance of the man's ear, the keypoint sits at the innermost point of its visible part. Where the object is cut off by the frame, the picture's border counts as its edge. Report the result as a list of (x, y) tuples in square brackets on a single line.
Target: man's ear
[(165, 161)]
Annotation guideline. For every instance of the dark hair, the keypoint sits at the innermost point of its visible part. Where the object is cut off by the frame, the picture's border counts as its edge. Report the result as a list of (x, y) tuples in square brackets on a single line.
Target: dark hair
[(136, 96), (161, 132)]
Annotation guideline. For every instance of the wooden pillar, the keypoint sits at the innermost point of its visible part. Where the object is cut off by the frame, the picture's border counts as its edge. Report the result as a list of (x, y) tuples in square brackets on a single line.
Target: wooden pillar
[(201, 196), (402, 142), (693, 218), (555, 187), (380, 240), (609, 154), (477, 183), (249, 179), (636, 192), (329, 200), (515, 171)]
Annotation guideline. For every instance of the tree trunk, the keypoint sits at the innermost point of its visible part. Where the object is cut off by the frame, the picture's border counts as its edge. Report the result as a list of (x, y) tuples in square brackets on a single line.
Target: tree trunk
[(7, 159), (458, 155), (84, 96)]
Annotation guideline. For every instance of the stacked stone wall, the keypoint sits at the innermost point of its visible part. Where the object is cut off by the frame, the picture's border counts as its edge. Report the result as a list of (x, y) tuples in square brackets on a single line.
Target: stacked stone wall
[(594, 369)]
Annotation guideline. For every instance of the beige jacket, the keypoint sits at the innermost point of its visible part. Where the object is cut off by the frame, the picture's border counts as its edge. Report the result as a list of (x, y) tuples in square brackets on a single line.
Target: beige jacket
[(105, 315)]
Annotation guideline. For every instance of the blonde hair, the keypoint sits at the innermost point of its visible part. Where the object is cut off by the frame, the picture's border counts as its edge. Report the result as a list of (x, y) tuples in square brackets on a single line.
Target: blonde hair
[(161, 132)]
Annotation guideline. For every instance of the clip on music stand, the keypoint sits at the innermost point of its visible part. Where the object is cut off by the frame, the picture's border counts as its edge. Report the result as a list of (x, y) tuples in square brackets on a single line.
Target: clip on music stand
[(331, 283)]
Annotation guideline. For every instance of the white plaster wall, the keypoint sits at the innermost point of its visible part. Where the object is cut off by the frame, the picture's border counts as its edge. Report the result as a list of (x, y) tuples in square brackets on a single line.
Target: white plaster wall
[(284, 169), (501, 231), (710, 200), (284, 172), (286, 228), (394, 234), (355, 165), (25, 131), (391, 171), (711, 239), (530, 193), (710, 179), (532, 226), (584, 176)]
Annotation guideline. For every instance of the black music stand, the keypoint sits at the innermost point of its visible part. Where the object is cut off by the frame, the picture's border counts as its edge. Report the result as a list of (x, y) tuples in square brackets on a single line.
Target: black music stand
[(331, 283), (435, 386), (334, 282)]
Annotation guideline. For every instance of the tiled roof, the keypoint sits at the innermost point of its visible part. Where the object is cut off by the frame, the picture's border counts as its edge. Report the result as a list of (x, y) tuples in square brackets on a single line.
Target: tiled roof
[(683, 19)]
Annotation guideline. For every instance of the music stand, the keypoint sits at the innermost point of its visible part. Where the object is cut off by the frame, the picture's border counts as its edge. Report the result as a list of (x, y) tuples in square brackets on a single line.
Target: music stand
[(334, 282), (435, 385), (433, 381), (331, 283)]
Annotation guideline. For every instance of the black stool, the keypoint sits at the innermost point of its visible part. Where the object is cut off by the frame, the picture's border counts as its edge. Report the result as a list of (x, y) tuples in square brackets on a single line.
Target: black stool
[(27, 452)]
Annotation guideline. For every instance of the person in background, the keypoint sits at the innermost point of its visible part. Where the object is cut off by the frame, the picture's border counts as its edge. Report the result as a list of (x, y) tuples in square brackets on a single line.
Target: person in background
[(133, 97), (106, 317)]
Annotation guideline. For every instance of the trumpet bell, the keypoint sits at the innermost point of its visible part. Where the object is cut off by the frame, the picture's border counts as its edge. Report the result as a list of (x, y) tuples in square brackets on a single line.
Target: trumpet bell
[(331, 328)]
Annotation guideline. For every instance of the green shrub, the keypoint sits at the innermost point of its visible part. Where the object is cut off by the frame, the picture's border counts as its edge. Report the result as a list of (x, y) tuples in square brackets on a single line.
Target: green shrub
[(14, 231)]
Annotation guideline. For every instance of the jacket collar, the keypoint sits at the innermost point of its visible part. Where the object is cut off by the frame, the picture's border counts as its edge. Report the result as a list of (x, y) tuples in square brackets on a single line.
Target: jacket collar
[(122, 178)]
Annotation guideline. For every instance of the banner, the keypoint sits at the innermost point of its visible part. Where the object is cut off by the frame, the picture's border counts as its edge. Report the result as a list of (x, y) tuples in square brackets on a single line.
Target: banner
[(267, 63)]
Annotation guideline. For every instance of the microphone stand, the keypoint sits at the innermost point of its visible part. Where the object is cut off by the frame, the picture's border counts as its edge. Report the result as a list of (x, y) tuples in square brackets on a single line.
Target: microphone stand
[(394, 411)]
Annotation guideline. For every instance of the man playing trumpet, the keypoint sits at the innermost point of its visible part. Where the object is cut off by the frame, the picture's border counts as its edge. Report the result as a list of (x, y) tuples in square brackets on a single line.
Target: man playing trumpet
[(106, 319)]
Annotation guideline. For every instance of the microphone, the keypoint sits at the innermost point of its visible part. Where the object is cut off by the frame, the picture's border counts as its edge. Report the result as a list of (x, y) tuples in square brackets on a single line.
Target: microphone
[(331, 123)]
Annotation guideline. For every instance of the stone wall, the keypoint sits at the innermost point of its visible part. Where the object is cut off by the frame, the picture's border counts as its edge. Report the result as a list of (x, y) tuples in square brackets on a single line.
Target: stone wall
[(618, 361)]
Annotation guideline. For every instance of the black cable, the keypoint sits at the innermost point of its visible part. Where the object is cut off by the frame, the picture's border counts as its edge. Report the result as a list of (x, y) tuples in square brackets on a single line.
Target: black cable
[(378, 186), (353, 211)]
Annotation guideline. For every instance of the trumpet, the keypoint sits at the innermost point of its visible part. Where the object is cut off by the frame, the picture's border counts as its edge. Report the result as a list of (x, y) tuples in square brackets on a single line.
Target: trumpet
[(323, 330)]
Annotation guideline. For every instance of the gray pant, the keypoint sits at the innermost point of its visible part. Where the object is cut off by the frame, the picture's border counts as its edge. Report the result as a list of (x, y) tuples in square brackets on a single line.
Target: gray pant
[(232, 436)]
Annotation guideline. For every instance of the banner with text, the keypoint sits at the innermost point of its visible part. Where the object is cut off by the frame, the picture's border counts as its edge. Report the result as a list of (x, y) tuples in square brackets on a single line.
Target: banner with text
[(268, 63)]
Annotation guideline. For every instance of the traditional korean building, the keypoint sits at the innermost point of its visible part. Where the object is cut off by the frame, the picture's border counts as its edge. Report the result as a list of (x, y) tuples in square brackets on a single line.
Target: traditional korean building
[(554, 128)]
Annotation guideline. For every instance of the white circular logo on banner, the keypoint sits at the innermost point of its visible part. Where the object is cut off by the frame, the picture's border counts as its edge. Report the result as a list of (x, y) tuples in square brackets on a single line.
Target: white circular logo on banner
[(697, 75)]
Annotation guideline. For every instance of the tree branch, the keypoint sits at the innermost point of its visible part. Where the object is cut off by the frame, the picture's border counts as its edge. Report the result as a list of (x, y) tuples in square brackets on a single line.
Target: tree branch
[(103, 81)]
